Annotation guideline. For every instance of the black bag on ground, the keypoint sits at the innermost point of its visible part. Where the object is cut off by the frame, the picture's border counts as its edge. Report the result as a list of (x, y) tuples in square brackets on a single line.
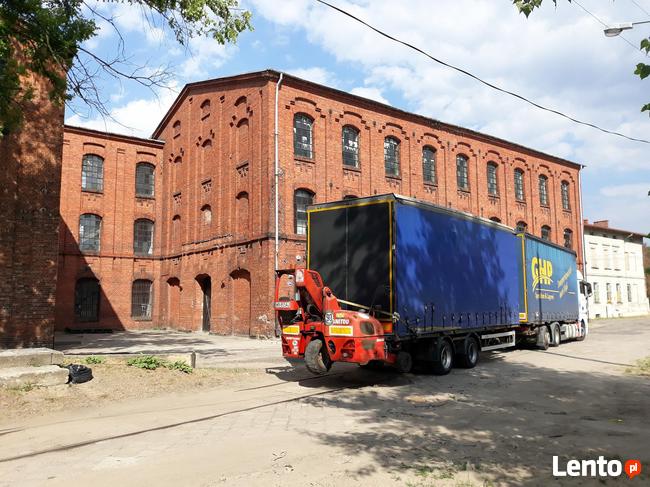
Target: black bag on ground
[(79, 374)]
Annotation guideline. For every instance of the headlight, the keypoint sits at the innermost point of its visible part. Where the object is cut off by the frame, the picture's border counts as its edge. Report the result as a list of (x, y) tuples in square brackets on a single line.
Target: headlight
[(329, 318), (300, 276)]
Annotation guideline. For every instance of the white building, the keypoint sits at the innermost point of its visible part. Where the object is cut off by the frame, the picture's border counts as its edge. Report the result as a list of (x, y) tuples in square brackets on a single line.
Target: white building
[(614, 265)]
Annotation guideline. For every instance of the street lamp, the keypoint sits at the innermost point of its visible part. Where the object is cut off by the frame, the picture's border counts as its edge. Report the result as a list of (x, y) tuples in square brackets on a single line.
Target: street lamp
[(616, 29)]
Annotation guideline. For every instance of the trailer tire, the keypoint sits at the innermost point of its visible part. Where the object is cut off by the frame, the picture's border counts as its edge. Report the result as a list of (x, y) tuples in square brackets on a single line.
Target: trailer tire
[(443, 358), (404, 362), (543, 338), (556, 335), (583, 331), (467, 357), (317, 360)]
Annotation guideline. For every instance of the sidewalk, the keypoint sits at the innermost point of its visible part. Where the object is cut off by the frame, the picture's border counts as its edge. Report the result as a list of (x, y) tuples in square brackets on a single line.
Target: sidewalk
[(210, 350)]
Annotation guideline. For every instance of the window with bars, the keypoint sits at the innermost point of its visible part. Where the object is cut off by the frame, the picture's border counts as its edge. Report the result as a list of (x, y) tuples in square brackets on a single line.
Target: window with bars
[(301, 200), (492, 183), (90, 227), (350, 142), (568, 238), (543, 190), (521, 227), (141, 299), (596, 293), (429, 164), (608, 290), (566, 205), (391, 156), (302, 136), (519, 185), (619, 297), (629, 293), (92, 173), (86, 300), (144, 180), (546, 232), (143, 237), (462, 177)]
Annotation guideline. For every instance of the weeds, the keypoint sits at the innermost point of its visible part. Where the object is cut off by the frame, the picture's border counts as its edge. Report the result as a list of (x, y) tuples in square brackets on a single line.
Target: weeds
[(93, 360), (150, 362), (641, 367)]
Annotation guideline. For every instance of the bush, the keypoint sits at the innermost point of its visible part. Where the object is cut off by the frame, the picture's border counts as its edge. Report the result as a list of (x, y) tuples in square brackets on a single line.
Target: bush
[(94, 360), (179, 365), (148, 362)]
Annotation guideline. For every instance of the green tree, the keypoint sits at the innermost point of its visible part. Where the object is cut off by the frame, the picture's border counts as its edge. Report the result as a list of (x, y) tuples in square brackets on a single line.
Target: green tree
[(642, 70), (44, 38)]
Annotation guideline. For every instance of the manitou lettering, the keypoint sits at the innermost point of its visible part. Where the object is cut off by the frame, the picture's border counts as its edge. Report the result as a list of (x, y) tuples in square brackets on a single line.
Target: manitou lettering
[(595, 468)]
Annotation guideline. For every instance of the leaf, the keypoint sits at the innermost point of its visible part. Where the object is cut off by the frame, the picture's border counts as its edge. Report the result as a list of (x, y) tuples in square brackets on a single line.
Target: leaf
[(642, 70), (645, 45), (646, 108)]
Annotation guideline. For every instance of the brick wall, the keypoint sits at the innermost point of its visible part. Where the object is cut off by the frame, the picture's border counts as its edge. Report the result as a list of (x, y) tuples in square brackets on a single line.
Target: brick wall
[(29, 221)]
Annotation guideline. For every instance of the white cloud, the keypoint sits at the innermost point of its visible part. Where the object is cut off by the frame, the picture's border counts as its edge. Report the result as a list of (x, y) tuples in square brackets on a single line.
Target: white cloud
[(205, 55), (316, 74), (137, 117), (369, 92)]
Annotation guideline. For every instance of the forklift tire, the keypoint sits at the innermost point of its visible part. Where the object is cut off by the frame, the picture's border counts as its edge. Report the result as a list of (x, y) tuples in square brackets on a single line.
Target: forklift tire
[(404, 362), (543, 338), (467, 357), (317, 360), (556, 335), (373, 365), (443, 358)]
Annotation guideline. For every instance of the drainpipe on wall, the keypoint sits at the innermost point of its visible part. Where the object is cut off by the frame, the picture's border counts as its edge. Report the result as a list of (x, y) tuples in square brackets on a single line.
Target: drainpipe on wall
[(277, 173), (582, 237)]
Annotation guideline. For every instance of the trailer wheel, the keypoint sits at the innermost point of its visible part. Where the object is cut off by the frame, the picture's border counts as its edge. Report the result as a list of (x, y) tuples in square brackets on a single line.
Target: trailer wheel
[(468, 355), (556, 335), (443, 358), (543, 338), (317, 360), (583, 331), (404, 362)]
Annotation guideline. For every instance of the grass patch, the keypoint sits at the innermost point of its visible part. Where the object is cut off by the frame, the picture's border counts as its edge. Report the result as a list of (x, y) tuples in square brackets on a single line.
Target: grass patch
[(151, 362), (641, 367), (93, 360)]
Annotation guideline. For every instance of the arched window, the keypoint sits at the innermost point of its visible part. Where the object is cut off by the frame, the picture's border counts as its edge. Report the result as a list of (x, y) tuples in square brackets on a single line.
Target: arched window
[(206, 214), (391, 156), (462, 177), (429, 164), (302, 136), (566, 202), (86, 300), (144, 179), (90, 227), (521, 227), (92, 173), (141, 299), (301, 200), (143, 237), (176, 232), (543, 190), (176, 128), (243, 216), (350, 143), (568, 238), (546, 232), (492, 181), (495, 219), (519, 185), (205, 109)]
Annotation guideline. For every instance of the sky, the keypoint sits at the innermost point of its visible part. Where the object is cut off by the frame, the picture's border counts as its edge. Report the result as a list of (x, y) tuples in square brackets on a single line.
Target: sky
[(558, 57)]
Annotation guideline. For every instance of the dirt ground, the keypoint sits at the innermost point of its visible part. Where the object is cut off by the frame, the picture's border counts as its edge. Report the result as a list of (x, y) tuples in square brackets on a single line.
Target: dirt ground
[(113, 381), (499, 424)]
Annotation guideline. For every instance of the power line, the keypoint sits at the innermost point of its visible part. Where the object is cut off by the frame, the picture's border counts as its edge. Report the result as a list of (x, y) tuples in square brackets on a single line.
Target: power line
[(480, 80), (641, 8), (636, 48)]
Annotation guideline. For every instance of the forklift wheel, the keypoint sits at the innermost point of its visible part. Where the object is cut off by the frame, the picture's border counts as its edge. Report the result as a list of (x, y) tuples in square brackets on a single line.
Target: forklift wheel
[(373, 365), (317, 360)]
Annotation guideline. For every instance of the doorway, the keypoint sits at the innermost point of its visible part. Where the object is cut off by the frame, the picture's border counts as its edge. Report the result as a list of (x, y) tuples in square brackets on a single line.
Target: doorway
[(206, 291)]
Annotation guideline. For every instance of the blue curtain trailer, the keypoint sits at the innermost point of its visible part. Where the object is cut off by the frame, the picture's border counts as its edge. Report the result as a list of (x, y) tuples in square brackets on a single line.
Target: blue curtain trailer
[(431, 273)]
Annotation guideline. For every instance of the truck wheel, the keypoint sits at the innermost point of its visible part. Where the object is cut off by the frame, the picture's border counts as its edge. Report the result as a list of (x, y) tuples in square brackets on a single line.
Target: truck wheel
[(404, 362), (443, 358), (317, 360), (468, 356), (556, 335), (543, 338), (582, 328)]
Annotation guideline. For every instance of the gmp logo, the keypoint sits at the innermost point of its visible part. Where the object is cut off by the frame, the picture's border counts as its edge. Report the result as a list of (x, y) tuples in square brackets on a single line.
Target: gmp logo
[(596, 468)]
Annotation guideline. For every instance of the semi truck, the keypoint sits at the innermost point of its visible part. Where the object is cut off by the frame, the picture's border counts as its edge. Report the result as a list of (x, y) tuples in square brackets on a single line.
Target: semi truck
[(391, 280)]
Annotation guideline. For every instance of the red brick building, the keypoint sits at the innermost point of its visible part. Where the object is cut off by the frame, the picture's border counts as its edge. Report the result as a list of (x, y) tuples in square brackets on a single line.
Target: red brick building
[(211, 211)]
